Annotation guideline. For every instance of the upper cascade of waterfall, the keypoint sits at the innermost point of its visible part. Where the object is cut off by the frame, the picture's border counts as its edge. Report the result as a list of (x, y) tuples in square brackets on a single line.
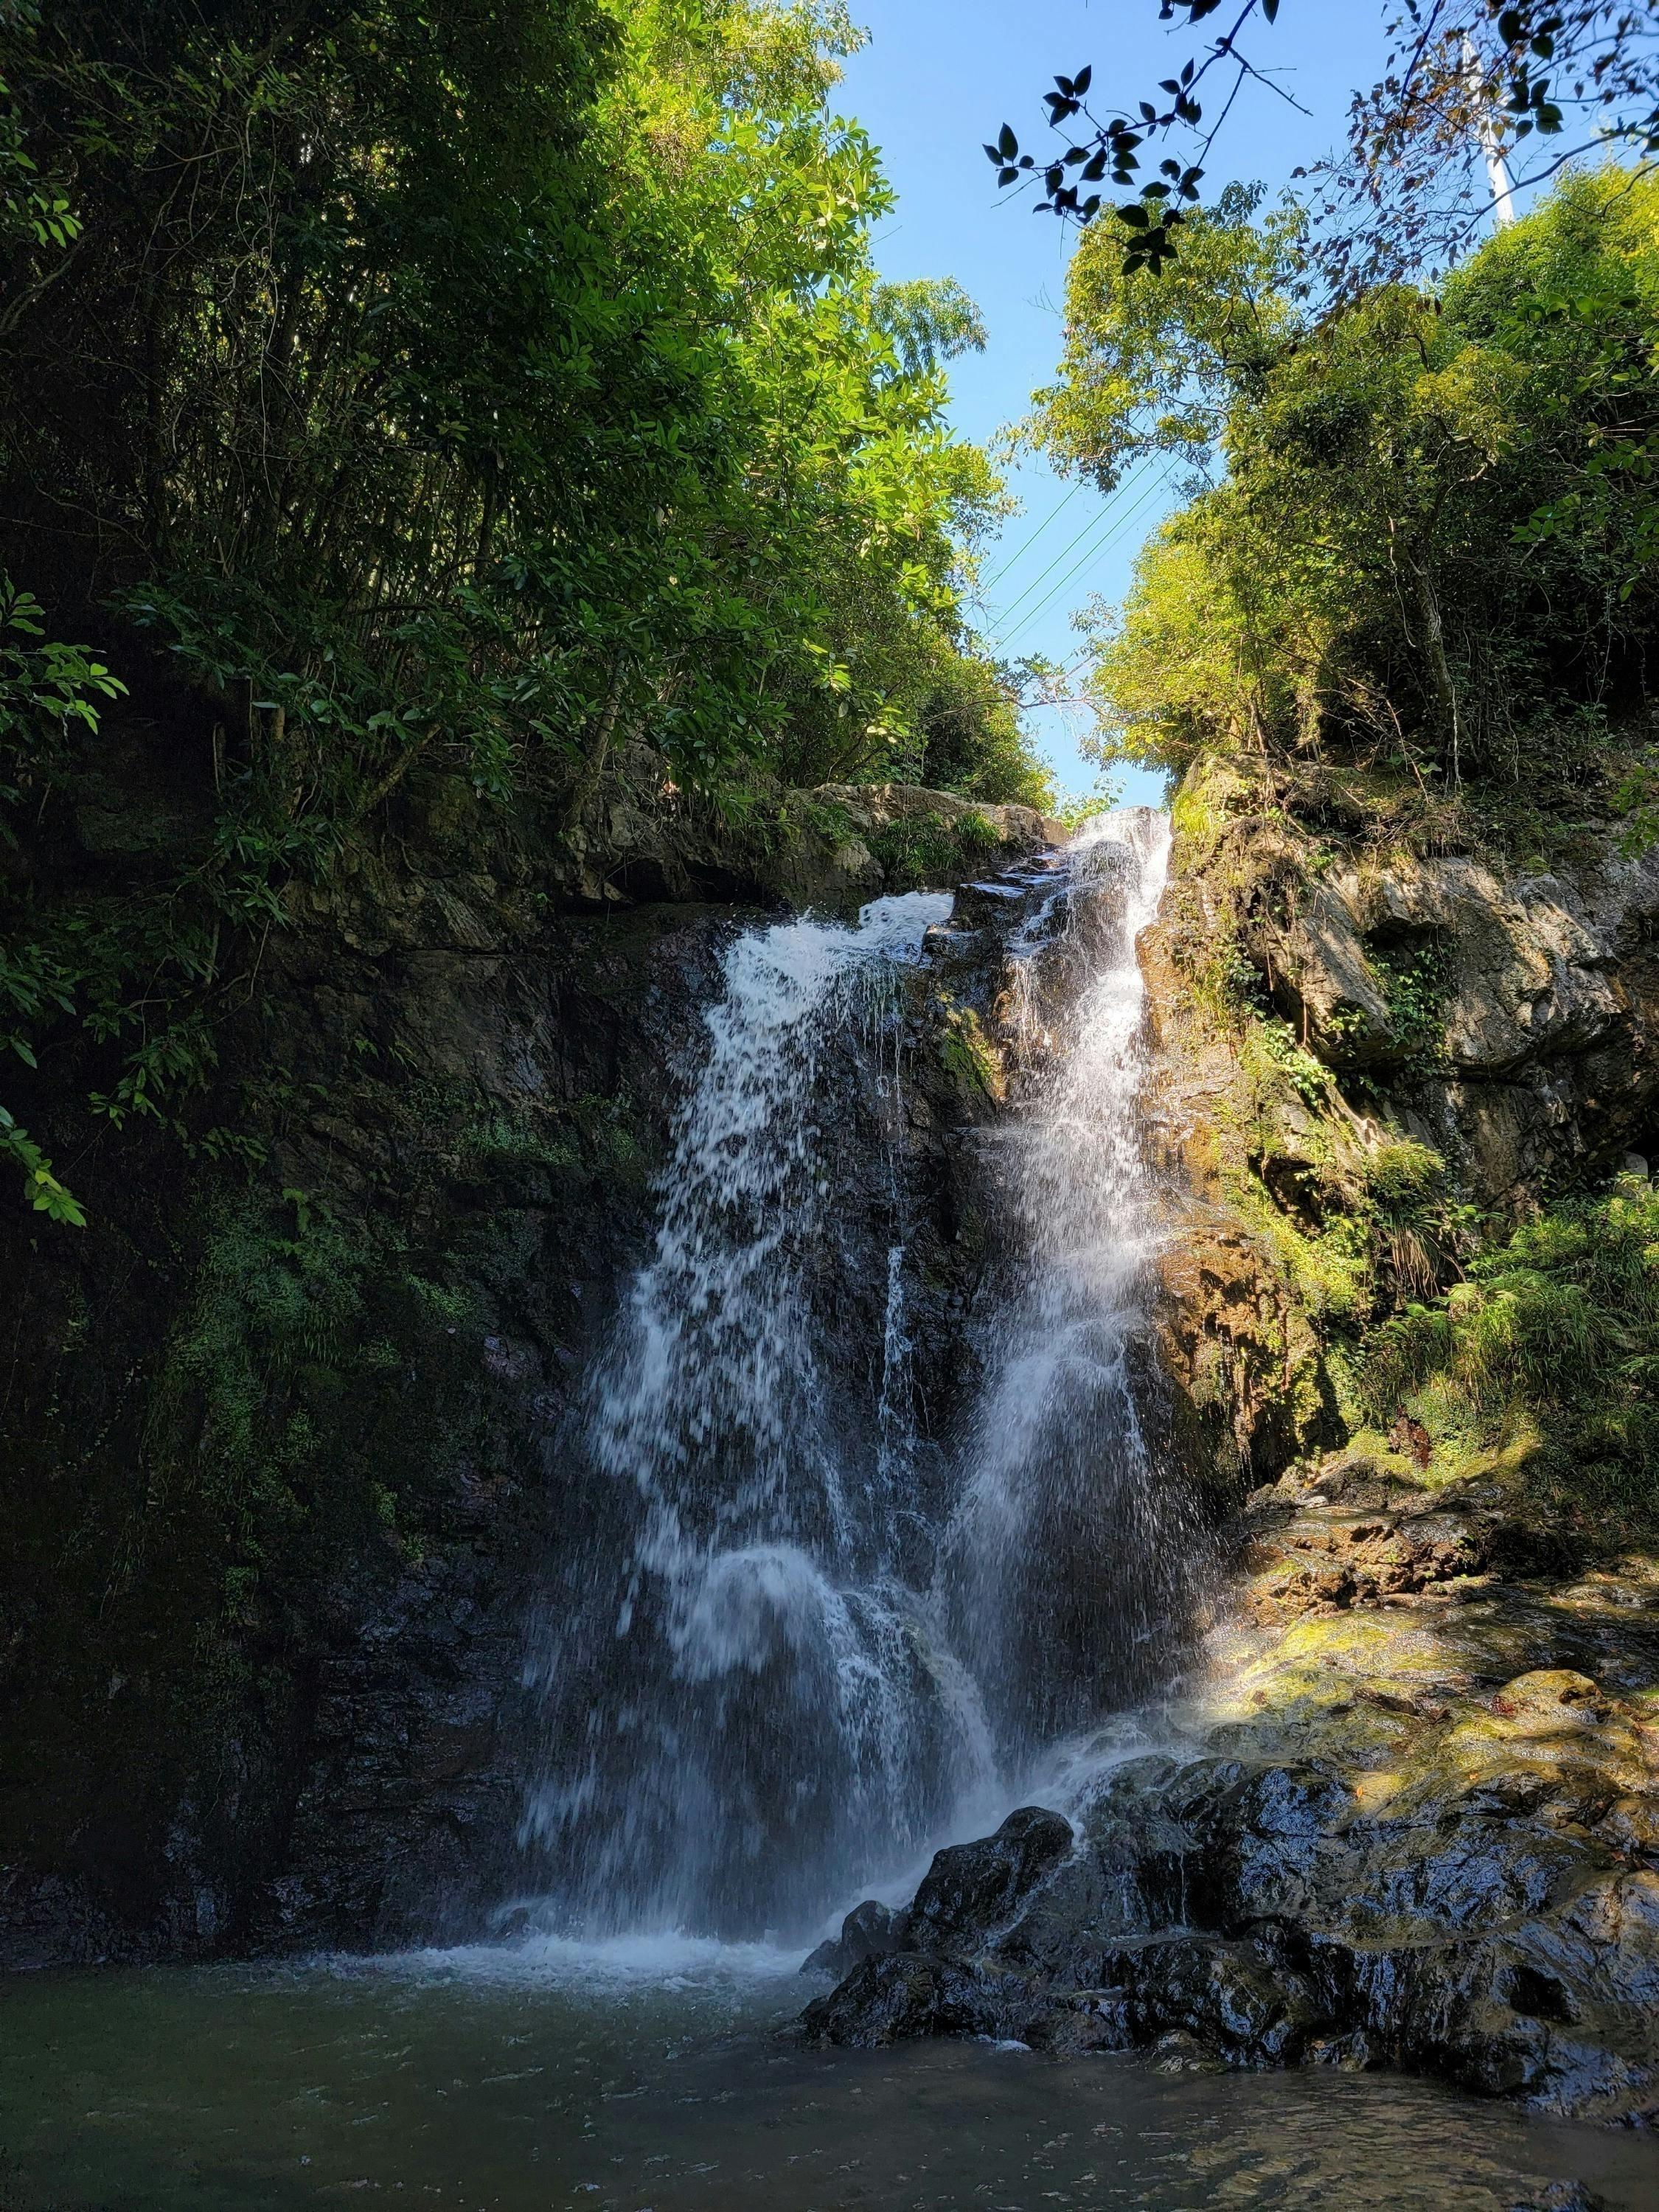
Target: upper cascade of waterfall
[(789, 1646), (713, 1352)]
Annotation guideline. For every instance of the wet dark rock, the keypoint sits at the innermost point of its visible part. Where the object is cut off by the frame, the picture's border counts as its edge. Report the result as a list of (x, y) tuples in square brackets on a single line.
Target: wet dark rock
[(896, 1999), (871, 1930), (972, 1888), (1414, 1836), (970, 1891), (1560, 2196)]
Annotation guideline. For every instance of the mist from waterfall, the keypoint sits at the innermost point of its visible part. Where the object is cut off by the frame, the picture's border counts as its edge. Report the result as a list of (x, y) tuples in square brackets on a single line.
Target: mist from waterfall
[(788, 1644)]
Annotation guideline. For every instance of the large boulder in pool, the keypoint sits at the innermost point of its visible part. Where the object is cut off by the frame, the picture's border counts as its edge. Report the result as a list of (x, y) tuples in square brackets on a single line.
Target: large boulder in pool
[(922, 1972), (972, 1889)]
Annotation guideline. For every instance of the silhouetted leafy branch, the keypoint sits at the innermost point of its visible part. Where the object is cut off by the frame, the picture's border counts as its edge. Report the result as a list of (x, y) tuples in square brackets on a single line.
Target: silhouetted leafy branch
[(1465, 83)]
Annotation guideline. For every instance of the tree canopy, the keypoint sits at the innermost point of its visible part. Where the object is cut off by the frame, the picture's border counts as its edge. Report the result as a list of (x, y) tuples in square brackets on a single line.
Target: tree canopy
[(394, 389), (1425, 525)]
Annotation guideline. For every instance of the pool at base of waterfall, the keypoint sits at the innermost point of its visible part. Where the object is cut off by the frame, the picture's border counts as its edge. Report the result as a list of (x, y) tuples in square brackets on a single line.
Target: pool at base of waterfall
[(650, 2078)]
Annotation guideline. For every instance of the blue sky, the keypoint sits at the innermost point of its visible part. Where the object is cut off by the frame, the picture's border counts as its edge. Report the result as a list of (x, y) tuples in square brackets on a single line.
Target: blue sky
[(937, 78)]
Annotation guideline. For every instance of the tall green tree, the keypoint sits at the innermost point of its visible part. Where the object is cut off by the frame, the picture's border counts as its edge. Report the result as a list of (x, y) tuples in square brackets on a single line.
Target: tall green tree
[(470, 390), (1430, 522)]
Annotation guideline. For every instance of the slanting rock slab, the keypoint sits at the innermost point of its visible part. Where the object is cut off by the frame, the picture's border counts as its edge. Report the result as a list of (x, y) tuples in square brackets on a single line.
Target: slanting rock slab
[(1365, 1529)]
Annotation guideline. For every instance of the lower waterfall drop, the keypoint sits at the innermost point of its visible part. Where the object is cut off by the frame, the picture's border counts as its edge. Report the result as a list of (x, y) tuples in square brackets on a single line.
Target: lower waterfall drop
[(787, 1648)]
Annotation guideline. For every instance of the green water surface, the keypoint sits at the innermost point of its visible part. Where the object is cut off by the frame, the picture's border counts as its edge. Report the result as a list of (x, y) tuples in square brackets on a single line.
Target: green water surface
[(551, 2078)]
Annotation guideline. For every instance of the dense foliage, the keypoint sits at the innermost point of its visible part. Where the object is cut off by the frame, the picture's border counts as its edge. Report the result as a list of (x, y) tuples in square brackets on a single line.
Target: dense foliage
[(1556, 1330), (1426, 535), (477, 390)]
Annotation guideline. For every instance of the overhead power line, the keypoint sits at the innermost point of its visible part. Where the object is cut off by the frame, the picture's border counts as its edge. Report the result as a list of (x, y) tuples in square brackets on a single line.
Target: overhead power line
[(1098, 547), (1088, 530), (1021, 551), (1036, 613)]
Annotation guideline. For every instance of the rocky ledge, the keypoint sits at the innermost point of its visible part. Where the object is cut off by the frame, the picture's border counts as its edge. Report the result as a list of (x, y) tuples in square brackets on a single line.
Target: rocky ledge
[(1410, 1817)]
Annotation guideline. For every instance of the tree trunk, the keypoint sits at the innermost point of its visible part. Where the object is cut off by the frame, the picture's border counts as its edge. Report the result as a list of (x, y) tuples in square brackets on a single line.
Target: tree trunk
[(602, 725), (1440, 675)]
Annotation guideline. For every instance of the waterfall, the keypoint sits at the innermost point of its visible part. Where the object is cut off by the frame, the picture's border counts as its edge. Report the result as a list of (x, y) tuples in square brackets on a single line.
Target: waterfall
[(1065, 1558), (738, 1668), (785, 1643)]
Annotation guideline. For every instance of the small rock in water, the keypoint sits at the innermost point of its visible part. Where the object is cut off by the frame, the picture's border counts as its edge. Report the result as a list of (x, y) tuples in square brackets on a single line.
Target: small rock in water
[(1178, 2052), (871, 1930)]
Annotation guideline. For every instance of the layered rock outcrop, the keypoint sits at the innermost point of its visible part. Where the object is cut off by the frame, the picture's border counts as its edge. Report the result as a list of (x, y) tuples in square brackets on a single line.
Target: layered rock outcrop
[(1412, 1818), (1355, 1039)]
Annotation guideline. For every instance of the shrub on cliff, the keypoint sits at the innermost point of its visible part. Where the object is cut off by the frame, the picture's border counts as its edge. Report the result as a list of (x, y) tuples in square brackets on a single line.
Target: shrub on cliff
[(1552, 1342)]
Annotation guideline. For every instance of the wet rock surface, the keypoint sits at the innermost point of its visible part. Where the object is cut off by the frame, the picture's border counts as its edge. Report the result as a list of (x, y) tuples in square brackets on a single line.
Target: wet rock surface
[(1407, 1817), (1413, 1819)]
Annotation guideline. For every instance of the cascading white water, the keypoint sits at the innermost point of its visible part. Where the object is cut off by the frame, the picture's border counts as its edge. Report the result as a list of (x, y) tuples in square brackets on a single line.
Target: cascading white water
[(1064, 1555), (749, 1669), (786, 1646)]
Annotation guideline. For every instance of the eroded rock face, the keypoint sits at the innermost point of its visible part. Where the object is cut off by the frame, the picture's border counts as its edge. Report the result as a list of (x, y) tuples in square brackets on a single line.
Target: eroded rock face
[(1417, 1822), (1324, 997), (1526, 1041), (1359, 1529)]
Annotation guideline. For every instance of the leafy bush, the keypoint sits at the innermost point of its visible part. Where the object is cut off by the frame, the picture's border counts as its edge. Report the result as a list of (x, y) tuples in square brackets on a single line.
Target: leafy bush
[(1556, 1331), (921, 849), (47, 692), (972, 742)]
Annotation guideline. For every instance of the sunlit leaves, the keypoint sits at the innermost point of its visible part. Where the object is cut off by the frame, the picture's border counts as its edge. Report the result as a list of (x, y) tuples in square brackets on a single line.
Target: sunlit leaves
[(511, 386), (1486, 463)]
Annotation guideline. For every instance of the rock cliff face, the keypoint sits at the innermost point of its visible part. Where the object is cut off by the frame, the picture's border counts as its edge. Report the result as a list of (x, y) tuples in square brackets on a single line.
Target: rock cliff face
[(1407, 1809), (1548, 990), (276, 1449), (282, 1429), (1492, 1033)]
